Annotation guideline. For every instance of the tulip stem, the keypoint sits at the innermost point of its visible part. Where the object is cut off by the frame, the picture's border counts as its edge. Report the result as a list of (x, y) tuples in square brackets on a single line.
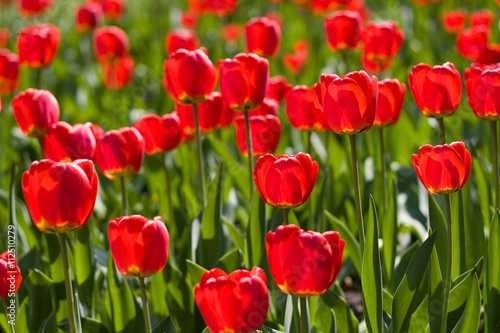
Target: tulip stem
[(5, 305), (201, 171), (169, 190), (296, 314), (345, 57), (67, 280), (285, 215), (357, 197), (249, 150), (38, 78), (303, 314), (447, 281), (494, 157), (40, 142), (124, 196), (441, 130), (145, 308), (383, 167), (309, 145)]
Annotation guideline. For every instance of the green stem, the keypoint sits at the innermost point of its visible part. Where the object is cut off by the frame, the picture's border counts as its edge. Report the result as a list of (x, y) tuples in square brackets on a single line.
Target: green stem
[(145, 308), (201, 171), (296, 314), (447, 281), (441, 131), (169, 190), (309, 144), (67, 281), (345, 58), (357, 197), (38, 77), (41, 147), (5, 305), (303, 315), (124, 196), (285, 215), (462, 230), (494, 157), (383, 167), (249, 150)]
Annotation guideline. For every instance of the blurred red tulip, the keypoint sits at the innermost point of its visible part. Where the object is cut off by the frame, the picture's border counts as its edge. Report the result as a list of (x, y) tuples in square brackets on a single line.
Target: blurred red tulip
[(265, 132), (263, 36), (285, 181), (181, 39), (237, 302), (295, 63), (33, 7), (189, 19), (118, 72), (10, 275), (243, 81), (38, 44), (320, 7), (35, 111), (110, 42), (209, 113), (470, 42), (482, 17), (60, 196), (88, 16), (454, 20), (304, 263), (65, 143), (139, 246), (277, 88), (442, 169), (483, 88), (374, 67), (4, 37), (343, 29), (227, 116), (382, 41), (161, 134), (230, 32), (9, 71), (113, 9), (425, 2), (348, 102), (301, 110), (120, 153), (488, 55), (268, 107), (391, 96), (437, 90), (190, 76)]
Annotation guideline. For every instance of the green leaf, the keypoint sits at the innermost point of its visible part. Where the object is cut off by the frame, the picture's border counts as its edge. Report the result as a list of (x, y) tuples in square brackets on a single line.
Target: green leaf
[(436, 293), (180, 299), (390, 238), (38, 285), (371, 276), (387, 305), (344, 317), (231, 261), (437, 223), (195, 272), (491, 288), (420, 318), (469, 322), (84, 266), (256, 232), (235, 234), (403, 305)]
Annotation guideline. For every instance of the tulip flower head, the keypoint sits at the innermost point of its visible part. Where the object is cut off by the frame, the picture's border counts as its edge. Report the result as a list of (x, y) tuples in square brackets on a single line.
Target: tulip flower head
[(483, 88), (442, 169), (110, 43), (10, 274), (343, 29), (88, 16), (35, 111), (113, 9), (33, 7), (265, 132), (304, 263), (161, 134), (139, 246), (301, 110), (236, 302), (9, 71), (38, 44), (263, 36), (277, 88), (391, 95), (60, 196), (118, 72), (181, 39), (482, 17), (209, 113), (4, 37), (471, 41), (382, 41)]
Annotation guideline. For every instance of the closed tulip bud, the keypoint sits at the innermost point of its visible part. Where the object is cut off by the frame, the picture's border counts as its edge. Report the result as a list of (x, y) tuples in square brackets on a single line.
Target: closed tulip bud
[(35, 111), (391, 95), (304, 263), (113, 9), (437, 90), (38, 44), (442, 169), (470, 42), (483, 89), (181, 39), (60, 196), (343, 29), (382, 41), (454, 20), (265, 133), (209, 113), (348, 102), (263, 36), (482, 17), (161, 134), (4, 37), (10, 274), (111, 42), (9, 71), (33, 7), (301, 110), (190, 76), (120, 153), (236, 302), (277, 88), (139, 246), (285, 181), (243, 81), (118, 72), (88, 16)]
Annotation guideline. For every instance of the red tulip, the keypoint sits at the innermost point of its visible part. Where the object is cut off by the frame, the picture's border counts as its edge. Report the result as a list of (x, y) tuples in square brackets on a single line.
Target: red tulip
[(454, 20), (285, 181), (113, 9), (243, 81), (343, 29), (209, 113), (301, 110), (320, 7), (189, 19), (4, 37), (230, 32), (391, 95), (38, 44), (161, 134), (118, 72), (277, 88), (33, 7), (237, 302), (488, 55), (66, 143), (10, 275), (35, 111), (190, 76), (181, 39), (120, 153), (265, 133), (437, 90), (482, 17), (382, 41), (227, 116), (295, 62), (268, 107), (60, 196), (374, 67), (88, 16), (263, 36), (9, 71), (470, 42), (348, 102), (483, 89), (442, 169), (139, 246), (304, 263), (111, 42)]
